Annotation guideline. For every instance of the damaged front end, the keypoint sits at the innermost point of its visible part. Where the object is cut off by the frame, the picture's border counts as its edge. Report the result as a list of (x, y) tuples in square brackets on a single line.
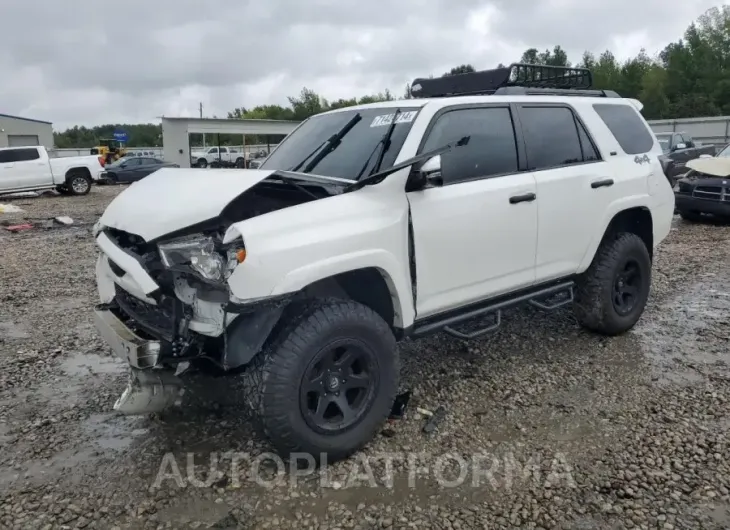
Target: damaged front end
[(166, 304)]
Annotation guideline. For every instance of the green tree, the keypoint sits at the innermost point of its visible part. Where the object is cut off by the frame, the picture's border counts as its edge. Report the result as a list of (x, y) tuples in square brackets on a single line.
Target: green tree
[(461, 69)]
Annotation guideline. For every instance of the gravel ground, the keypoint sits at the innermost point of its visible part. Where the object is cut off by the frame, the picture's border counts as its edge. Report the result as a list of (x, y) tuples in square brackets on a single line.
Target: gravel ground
[(546, 425)]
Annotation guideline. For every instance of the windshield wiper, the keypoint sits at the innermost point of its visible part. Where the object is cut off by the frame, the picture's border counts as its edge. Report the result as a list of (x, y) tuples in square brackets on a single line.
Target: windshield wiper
[(379, 177), (326, 147), (385, 142)]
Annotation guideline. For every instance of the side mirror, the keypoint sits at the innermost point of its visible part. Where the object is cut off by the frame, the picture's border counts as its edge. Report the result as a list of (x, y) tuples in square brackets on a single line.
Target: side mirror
[(426, 174), (429, 172), (680, 146)]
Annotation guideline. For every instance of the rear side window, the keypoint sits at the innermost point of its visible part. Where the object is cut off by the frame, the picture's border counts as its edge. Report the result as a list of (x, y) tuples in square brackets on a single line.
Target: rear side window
[(551, 137), (627, 127), (19, 155), (492, 149)]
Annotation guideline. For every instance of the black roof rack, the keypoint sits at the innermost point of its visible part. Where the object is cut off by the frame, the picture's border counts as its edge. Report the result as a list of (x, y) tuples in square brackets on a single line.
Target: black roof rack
[(515, 79)]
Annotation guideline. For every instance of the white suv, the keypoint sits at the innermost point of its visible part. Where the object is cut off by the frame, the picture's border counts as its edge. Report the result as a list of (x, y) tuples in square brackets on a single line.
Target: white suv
[(374, 223)]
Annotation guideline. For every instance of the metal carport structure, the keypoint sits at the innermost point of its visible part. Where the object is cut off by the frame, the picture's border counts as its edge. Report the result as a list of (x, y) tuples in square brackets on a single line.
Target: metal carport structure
[(176, 133)]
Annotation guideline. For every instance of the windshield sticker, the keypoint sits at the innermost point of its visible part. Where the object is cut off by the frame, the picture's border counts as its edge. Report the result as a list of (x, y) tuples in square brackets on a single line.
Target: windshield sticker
[(387, 119)]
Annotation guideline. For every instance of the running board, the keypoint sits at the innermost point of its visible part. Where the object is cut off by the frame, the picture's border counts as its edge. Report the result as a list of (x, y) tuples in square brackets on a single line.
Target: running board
[(540, 298)]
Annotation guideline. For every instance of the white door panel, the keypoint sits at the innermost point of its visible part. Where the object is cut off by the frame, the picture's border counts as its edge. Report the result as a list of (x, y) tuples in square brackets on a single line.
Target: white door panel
[(7, 176), (569, 214), (471, 243)]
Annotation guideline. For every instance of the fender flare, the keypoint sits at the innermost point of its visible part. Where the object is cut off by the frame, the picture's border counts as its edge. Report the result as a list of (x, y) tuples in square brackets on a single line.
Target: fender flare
[(384, 262), (615, 208)]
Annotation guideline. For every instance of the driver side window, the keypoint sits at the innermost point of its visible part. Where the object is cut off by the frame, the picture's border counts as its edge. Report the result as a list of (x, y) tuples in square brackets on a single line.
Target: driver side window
[(492, 148)]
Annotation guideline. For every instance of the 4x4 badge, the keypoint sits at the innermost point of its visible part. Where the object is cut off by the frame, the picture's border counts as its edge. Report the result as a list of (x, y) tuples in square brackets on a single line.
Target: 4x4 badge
[(642, 159)]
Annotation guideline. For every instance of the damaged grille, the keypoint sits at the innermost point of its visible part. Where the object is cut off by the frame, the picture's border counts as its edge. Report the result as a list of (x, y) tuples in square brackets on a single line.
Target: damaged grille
[(158, 320), (146, 253), (712, 193)]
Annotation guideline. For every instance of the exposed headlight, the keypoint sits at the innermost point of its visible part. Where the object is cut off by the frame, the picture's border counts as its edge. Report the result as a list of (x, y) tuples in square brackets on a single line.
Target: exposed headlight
[(197, 253)]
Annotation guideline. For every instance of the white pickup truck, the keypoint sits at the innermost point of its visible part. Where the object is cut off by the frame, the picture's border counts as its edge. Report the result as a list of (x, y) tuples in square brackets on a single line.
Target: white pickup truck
[(224, 155), (31, 169)]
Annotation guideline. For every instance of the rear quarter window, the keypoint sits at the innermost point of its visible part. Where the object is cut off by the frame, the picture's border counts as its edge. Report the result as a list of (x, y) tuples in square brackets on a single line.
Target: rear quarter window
[(627, 127)]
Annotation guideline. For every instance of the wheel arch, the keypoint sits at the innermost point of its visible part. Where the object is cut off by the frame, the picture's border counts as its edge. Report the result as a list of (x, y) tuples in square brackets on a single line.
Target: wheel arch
[(78, 170), (369, 286), (633, 219)]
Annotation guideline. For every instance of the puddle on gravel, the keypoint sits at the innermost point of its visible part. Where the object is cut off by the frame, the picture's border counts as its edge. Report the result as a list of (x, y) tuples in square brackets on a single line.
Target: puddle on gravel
[(109, 434), (12, 330), (82, 364), (680, 337), (112, 431)]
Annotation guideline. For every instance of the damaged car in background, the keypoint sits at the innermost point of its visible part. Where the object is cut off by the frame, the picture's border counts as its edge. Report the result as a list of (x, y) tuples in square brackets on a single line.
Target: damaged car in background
[(375, 223), (705, 189)]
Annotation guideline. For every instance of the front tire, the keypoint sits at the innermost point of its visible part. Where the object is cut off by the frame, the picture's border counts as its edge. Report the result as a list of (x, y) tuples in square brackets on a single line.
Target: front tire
[(327, 381), (612, 293), (202, 163), (689, 215)]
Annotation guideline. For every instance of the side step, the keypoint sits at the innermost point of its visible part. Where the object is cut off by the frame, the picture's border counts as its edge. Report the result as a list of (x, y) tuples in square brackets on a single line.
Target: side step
[(546, 298)]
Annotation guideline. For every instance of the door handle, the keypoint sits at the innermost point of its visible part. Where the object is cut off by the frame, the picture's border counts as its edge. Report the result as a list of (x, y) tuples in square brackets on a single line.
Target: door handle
[(602, 183), (527, 197)]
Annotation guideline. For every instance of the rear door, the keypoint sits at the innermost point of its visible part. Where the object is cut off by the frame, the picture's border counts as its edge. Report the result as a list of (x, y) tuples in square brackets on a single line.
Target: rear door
[(572, 182), (474, 235)]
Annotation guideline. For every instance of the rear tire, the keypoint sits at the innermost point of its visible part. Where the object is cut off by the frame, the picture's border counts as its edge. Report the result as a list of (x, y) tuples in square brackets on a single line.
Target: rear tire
[(327, 381), (240, 163), (78, 184), (612, 293), (689, 215)]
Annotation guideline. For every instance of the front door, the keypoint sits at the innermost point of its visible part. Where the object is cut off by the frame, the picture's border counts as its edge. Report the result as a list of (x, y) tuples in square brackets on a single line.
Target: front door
[(475, 235)]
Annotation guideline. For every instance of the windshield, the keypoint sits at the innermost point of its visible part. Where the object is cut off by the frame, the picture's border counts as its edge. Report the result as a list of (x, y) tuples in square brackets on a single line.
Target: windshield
[(725, 153), (358, 143)]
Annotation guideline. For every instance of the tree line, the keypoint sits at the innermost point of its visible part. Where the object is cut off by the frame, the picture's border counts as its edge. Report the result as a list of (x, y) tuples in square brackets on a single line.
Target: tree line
[(688, 78)]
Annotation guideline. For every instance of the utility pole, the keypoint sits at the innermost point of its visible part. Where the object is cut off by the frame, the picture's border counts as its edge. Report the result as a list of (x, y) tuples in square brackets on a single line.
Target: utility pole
[(201, 117)]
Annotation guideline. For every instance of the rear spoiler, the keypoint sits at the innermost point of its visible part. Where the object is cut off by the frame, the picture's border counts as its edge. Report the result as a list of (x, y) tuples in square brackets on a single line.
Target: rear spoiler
[(638, 105)]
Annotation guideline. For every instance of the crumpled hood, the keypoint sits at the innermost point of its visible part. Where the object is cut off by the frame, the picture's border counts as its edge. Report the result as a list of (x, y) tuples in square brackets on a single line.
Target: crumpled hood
[(715, 167), (171, 199)]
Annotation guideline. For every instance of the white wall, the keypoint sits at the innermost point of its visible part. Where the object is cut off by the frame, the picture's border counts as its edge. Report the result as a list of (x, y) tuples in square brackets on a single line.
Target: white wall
[(158, 151), (714, 130)]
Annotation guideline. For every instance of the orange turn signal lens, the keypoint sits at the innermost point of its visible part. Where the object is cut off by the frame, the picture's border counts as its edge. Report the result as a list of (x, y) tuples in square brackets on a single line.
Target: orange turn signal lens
[(241, 255)]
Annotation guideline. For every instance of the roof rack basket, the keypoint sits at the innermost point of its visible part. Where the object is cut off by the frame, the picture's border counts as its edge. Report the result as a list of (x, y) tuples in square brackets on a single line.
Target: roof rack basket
[(516, 79)]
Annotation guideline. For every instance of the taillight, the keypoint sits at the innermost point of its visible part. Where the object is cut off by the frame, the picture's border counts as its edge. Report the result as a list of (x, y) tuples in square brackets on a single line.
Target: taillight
[(101, 160)]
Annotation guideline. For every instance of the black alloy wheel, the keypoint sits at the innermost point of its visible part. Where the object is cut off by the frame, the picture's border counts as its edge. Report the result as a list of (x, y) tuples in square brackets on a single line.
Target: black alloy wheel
[(627, 287), (338, 386)]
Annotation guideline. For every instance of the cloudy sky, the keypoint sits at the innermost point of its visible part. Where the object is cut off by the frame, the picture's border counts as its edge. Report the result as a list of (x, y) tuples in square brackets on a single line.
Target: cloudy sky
[(87, 62)]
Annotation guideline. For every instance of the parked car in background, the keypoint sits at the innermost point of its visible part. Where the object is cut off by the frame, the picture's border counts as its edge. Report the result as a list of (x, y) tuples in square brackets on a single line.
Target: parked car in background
[(705, 188), (678, 148), (257, 159), (130, 169), (31, 169), (222, 155)]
